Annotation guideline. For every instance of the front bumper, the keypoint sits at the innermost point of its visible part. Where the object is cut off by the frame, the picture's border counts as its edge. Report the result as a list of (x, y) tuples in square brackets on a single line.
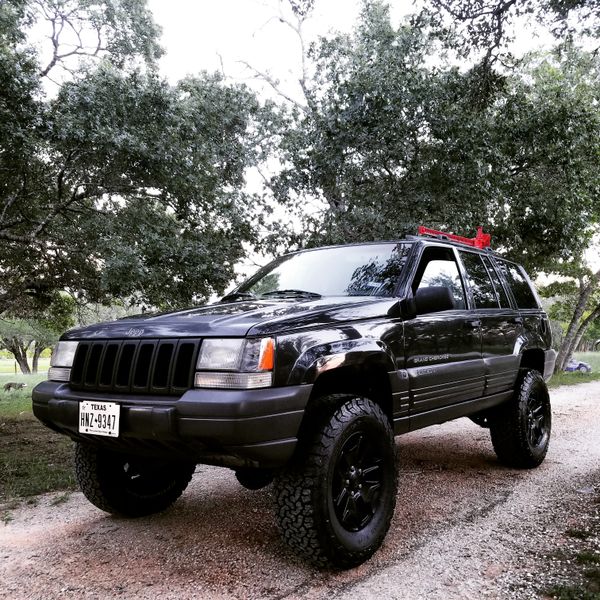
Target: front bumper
[(252, 428)]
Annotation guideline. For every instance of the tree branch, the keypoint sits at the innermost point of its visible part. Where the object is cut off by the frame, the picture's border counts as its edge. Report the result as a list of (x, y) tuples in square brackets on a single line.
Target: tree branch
[(273, 83)]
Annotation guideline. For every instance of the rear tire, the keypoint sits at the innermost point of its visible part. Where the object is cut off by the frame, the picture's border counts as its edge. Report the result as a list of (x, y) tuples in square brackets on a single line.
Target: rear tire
[(334, 506), (129, 485), (521, 428)]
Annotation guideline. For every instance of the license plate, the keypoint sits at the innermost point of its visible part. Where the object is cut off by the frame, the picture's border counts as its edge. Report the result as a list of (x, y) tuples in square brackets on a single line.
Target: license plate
[(99, 418)]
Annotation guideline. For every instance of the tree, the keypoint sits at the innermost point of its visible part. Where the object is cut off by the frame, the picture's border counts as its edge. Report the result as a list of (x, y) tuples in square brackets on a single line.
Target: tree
[(487, 27), (33, 335), (119, 184), (368, 141), (388, 141), (577, 305)]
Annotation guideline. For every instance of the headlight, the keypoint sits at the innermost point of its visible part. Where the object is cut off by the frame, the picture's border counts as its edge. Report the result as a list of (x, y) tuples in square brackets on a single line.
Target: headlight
[(220, 354), (247, 363), (64, 354), (62, 361)]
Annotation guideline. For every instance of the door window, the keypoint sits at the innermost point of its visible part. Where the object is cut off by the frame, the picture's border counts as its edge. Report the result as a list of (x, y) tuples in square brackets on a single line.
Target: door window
[(502, 296), (482, 288), (523, 294), (438, 268)]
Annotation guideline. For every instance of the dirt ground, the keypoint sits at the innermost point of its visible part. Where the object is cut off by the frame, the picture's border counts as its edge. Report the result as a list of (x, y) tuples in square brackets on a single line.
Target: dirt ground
[(465, 527)]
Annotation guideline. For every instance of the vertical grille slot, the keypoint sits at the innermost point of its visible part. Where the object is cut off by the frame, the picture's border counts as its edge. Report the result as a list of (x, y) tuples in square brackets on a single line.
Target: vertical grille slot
[(108, 365), (162, 365), (79, 363), (125, 365), (142, 365), (184, 365), (92, 365)]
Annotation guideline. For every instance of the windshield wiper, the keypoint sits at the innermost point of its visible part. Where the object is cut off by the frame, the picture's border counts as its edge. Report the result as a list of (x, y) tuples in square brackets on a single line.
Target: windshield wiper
[(238, 296), (292, 294)]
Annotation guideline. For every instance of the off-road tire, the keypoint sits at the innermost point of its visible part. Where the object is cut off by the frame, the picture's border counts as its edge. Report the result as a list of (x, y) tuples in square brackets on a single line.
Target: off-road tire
[(520, 429), (352, 435), (129, 486)]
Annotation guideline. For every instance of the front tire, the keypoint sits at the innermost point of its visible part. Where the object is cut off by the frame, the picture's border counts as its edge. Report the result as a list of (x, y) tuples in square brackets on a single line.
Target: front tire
[(521, 428), (128, 485), (334, 506)]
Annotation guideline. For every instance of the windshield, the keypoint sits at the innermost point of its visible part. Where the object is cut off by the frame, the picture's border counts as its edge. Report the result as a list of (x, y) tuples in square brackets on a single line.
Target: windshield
[(369, 270)]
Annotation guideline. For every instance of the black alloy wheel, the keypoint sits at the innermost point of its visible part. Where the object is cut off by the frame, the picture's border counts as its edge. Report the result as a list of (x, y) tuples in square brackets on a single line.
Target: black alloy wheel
[(357, 482)]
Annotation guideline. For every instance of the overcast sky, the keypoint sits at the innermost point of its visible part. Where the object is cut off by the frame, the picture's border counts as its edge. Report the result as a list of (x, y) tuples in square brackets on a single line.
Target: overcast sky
[(197, 34)]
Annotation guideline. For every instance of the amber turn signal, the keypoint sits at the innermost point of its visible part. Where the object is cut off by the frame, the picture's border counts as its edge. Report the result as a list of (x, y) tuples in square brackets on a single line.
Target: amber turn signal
[(266, 361)]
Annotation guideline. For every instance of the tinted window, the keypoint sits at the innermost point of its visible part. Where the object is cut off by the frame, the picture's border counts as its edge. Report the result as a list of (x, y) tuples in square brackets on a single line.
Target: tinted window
[(504, 301), (479, 280), (369, 270), (438, 268), (520, 288)]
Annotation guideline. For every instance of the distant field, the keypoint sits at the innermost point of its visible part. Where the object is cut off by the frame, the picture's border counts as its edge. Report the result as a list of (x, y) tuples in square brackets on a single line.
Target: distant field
[(7, 367)]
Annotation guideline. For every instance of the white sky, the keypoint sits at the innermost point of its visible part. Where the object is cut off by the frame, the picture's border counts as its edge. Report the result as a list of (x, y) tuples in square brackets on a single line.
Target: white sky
[(196, 32)]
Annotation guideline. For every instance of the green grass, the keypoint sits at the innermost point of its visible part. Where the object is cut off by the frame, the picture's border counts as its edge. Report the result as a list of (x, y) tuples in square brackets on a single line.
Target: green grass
[(33, 459), (17, 403), (592, 358)]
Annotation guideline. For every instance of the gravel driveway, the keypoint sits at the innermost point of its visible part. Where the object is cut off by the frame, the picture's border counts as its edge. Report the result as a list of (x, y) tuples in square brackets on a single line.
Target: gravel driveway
[(465, 527)]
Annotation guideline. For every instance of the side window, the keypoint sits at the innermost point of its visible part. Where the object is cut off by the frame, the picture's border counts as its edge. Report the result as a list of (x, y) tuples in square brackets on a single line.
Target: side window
[(479, 280), (438, 268), (523, 294), (504, 301)]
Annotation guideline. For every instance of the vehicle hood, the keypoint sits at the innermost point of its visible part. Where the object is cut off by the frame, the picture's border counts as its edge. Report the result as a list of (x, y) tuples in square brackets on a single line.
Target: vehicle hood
[(236, 319)]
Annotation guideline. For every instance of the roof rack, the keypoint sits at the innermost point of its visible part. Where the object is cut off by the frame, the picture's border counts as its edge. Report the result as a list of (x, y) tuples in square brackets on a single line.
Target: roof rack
[(481, 240)]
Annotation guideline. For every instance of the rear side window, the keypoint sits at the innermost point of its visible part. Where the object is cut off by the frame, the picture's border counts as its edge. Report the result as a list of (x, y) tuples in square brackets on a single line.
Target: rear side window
[(479, 280), (523, 294), (504, 301)]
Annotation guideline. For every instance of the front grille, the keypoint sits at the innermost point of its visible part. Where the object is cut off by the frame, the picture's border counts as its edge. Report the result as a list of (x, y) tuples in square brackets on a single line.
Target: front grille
[(160, 367)]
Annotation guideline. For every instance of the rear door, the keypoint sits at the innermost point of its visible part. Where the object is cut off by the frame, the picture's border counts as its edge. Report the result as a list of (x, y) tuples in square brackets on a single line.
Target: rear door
[(501, 323), (442, 349)]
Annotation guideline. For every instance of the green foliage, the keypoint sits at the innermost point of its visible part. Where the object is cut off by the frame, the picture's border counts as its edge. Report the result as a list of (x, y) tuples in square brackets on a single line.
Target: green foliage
[(487, 28), (119, 185), (389, 141)]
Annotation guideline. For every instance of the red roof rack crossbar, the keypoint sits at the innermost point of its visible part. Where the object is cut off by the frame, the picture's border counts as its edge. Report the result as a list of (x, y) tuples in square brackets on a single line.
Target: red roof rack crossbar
[(481, 240)]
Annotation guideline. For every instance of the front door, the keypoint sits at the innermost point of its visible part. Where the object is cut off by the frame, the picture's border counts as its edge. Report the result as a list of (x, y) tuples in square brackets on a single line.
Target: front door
[(442, 348)]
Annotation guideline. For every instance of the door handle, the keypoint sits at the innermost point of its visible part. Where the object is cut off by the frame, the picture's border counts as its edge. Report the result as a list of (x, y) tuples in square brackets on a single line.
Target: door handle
[(518, 320), (473, 324)]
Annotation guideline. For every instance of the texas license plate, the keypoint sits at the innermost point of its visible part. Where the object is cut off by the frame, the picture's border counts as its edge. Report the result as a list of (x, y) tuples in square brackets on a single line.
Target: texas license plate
[(99, 418)]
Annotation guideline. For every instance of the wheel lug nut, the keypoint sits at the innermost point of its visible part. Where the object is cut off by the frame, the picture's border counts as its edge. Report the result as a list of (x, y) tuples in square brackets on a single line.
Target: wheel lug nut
[(347, 482)]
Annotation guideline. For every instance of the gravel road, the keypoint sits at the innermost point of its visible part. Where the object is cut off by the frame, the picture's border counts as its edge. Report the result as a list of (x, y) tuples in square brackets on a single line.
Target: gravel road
[(465, 527)]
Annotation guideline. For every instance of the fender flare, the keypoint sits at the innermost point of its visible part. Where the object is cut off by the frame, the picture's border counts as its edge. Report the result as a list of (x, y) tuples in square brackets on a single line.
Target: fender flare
[(356, 353)]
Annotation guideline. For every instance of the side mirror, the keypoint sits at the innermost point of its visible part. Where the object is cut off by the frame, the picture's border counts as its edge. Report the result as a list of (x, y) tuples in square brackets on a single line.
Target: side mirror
[(405, 308), (434, 299)]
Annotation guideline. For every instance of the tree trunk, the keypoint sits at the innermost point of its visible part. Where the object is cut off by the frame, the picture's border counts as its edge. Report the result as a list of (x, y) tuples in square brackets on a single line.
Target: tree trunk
[(582, 329), (37, 351), (19, 351), (566, 348)]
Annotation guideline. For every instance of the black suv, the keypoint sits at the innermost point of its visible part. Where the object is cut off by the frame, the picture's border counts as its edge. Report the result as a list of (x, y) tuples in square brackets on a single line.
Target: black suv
[(302, 377)]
